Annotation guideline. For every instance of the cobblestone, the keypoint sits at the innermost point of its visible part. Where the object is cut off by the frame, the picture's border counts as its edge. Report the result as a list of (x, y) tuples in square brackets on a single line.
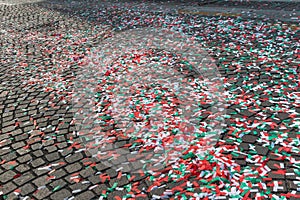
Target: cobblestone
[(73, 158), (86, 195), (52, 157), (40, 153), (37, 162), (27, 189), (42, 193), (8, 187), (24, 178), (73, 168), (41, 181), (62, 194)]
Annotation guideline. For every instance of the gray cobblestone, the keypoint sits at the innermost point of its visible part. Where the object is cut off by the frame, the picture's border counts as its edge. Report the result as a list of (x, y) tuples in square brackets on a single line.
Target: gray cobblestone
[(41, 181), (37, 162), (8, 187), (53, 156), (58, 183), (16, 132), (21, 137), (50, 149), (87, 172), (22, 151), (18, 145), (42, 193), (25, 158), (10, 156), (7, 129), (73, 167), (62, 194), (85, 195), (59, 173), (4, 151), (73, 158), (22, 168), (24, 178), (38, 153), (12, 196), (27, 189)]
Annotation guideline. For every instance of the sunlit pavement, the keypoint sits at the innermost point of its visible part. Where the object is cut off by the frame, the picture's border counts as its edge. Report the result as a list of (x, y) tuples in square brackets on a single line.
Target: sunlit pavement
[(45, 47)]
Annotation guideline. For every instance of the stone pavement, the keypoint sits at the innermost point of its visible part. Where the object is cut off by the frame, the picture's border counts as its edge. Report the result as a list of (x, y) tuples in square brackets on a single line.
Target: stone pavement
[(42, 155)]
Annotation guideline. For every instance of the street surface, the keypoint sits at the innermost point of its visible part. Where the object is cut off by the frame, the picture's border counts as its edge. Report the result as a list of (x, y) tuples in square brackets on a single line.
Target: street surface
[(232, 131)]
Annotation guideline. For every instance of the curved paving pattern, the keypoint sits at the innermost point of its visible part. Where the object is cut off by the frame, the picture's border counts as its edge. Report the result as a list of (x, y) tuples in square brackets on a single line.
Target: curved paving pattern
[(41, 155)]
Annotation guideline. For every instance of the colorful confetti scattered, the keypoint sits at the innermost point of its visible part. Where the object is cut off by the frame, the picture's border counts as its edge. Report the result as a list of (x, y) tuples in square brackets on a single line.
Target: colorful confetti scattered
[(43, 155)]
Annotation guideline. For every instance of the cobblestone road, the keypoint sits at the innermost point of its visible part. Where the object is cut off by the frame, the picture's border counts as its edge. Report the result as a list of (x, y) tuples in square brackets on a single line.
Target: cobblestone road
[(43, 157)]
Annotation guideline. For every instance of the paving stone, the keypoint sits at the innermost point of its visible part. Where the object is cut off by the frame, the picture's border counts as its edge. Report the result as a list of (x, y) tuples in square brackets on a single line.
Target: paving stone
[(9, 166), (247, 113), (79, 187), (59, 173), (85, 195), (244, 146), (61, 138), (7, 176), (99, 189), (22, 151), (12, 196), (10, 156), (61, 194), (62, 145), (142, 186), (36, 146), (38, 153), (249, 138), (18, 145), (74, 157), (53, 156), (274, 175), (42, 193), (73, 167), (290, 174), (291, 185), (22, 168), (241, 162), (121, 181), (37, 162), (21, 137), (101, 167), (273, 164), (38, 172), (51, 149), (27, 189), (48, 142), (7, 129), (116, 193), (41, 181), (94, 179), (16, 132), (28, 128), (261, 150), (8, 187), (266, 104), (283, 116), (112, 173), (4, 151), (138, 164), (24, 178), (7, 119), (58, 183), (87, 172)]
